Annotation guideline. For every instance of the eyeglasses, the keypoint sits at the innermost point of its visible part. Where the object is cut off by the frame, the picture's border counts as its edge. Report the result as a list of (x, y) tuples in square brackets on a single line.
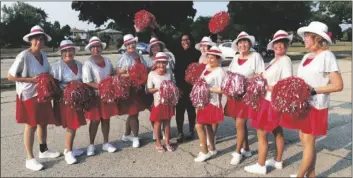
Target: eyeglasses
[(185, 39)]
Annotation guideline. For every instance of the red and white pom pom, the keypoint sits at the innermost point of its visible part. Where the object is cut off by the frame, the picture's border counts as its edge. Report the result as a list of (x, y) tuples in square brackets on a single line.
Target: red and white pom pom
[(121, 87), (291, 96), (218, 22), (46, 87), (169, 93), (138, 75), (106, 90), (79, 96), (193, 72), (143, 19), (200, 94), (254, 91), (234, 85)]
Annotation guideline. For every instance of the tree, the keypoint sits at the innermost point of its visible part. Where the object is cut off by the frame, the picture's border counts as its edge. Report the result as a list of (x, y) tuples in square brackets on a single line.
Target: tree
[(200, 27), (263, 18), (17, 21), (65, 31), (332, 23), (170, 13), (347, 34), (342, 10)]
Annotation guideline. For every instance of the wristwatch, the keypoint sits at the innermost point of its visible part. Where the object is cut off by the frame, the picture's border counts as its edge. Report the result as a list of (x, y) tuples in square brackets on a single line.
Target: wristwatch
[(313, 92)]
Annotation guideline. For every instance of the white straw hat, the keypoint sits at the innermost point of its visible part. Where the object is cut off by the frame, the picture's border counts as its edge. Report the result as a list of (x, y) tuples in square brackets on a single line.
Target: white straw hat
[(66, 44), (214, 50), (161, 56), (242, 35), (280, 34), (129, 38), (95, 40), (316, 27), (205, 41), (35, 30), (153, 41)]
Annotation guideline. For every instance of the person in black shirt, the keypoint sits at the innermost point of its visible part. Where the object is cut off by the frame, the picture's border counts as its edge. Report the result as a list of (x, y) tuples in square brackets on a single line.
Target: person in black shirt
[(184, 55)]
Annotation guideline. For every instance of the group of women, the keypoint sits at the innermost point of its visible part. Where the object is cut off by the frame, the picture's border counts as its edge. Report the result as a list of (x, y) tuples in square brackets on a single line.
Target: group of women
[(318, 69)]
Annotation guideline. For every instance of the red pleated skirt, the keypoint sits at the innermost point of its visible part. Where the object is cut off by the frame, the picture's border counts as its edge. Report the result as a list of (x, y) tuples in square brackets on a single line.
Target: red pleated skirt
[(315, 122), (210, 114), (162, 112), (266, 118), (102, 110), (33, 113), (69, 117), (134, 104), (237, 109)]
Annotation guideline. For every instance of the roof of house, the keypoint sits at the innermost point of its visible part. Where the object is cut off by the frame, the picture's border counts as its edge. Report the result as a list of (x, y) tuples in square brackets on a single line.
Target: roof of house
[(109, 30), (75, 30)]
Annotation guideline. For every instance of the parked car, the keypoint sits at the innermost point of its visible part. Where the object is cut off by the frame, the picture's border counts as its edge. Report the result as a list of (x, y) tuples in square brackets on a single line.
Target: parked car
[(140, 47), (228, 52)]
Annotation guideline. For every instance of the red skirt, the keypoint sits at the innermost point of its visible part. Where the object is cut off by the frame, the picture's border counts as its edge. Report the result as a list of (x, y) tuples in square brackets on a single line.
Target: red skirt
[(162, 112), (210, 114), (134, 104), (266, 118), (237, 109), (70, 118), (33, 113), (315, 122), (102, 110)]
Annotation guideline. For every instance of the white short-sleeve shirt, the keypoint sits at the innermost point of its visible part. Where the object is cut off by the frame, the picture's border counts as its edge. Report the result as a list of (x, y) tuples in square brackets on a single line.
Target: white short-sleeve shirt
[(92, 72), (214, 80), (277, 70), (62, 72), (26, 65), (316, 75), (154, 80), (253, 65)]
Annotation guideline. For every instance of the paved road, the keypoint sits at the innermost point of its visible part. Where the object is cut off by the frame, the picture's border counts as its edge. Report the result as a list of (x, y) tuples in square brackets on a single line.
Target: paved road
[(334, 150)]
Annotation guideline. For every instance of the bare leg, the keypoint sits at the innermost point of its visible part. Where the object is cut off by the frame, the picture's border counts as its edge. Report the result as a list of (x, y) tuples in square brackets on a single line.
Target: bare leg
[(42, 134), (69, 140), (166, 125), (127, 126), (308, 162), (201, 133), (210, 136), (241, 133), (93, 127), (278, 133), (105, 126), (246, 138), (157, 126), (29, 139), (263, 146), (134, 125)]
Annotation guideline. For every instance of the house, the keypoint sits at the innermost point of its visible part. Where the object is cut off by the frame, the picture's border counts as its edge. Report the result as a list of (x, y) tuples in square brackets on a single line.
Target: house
[(81, 33), (113, 36)]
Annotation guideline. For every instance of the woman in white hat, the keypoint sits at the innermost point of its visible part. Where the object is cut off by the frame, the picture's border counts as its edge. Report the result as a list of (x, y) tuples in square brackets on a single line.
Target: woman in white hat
[(135, 103), (36, 116), (205, 44), (156, 46), (212, 113), (248, 64), (320, 70), (160, 113), (64, 71), (267, 119), (94, 70)]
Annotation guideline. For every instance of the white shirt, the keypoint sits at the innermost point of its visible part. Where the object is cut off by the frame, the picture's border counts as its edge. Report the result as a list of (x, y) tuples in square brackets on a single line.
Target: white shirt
[(316, 73), (154, 80), (62, 72), (278, 70), (214, 80), (91, 72), (253, 65), (26, 65)]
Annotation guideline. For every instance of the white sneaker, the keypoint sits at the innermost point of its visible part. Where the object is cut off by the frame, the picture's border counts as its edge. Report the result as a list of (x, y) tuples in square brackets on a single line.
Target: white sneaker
[(256, 169), (236, 158), (294, 175), (91, 150), (202, 157), (33, 165), (245, 153), (135, 142), (49, 154), (213, 153), (273, 163), (126, 138), (70, 158), (75, 152), (108, 147)]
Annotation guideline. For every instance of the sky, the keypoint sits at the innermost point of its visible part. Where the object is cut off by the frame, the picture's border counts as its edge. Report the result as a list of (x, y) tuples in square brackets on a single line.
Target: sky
[(62, 12)]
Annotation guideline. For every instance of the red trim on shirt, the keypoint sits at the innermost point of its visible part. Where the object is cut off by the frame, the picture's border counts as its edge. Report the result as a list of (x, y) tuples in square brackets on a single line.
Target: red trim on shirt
[(101, 64), (74, 69), (207, 72), (241, 61), (307, 61)]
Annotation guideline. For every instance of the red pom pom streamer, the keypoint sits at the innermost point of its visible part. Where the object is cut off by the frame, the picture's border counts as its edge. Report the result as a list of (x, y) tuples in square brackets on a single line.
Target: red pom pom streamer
[(106, 90), (46, 87), (79, 96), (200, 94), (193, 72), (121, 87), (218, 22), (291, 96), (234, 85), (138, 75), (255, 90), (169, 93), (143, 19)]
